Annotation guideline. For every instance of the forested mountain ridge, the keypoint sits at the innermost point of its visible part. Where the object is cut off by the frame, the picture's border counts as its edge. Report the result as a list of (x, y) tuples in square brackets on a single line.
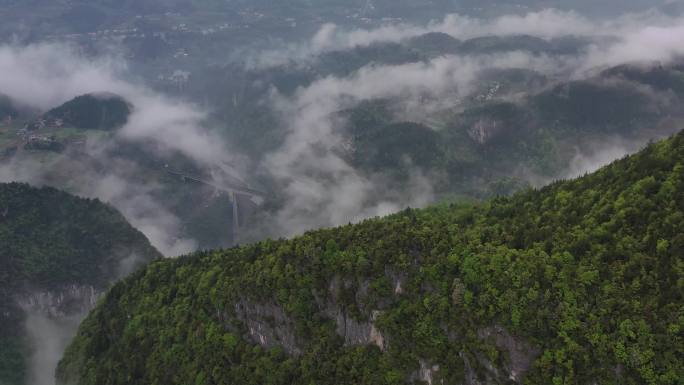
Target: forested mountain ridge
[(58, 253), (93, 111), (579, 282), (79, 145)]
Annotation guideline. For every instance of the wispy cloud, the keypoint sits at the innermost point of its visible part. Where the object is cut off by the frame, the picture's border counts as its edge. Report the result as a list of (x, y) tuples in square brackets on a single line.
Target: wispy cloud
[(312, 174), (322, 188), (546, 24), (45, 75)]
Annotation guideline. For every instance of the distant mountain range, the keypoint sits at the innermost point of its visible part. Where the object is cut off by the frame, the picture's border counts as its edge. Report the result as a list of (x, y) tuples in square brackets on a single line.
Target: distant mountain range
[(518, 126)]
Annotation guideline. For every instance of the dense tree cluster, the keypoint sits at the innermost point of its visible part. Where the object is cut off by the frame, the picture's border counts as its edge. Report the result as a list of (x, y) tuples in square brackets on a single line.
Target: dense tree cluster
[(493, 144), (588, 271), (93, 112), (50, 239)]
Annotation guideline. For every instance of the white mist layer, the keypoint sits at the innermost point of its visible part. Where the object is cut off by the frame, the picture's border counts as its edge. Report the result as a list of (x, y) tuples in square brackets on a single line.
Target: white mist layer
[(43, 76), (318, 185), (48, 338)]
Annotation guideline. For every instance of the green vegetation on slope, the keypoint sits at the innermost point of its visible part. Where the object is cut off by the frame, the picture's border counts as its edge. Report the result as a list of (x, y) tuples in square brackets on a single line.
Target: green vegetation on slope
[(588, 272), (50, 239), (493, 139), (93, 111)]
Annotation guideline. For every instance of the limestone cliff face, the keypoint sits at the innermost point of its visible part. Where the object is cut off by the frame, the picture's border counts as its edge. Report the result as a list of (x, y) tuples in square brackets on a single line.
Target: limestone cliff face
[(520, 354), (51, 319), (268, 325), (427, 373), (357, 332), (64, 302), (484, 129)]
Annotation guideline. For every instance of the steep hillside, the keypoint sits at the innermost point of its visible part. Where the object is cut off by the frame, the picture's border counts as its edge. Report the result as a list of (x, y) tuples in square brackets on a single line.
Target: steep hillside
[(76, 147), (495, 138), (58, 253), (580, 282), (92, 111)]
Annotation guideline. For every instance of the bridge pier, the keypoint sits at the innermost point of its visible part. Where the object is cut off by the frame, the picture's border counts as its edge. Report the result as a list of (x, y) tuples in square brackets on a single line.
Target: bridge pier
[(236, 213)]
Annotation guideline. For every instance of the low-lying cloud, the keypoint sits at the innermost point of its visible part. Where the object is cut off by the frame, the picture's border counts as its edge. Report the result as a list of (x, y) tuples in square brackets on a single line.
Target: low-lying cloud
[(545, 24), (48, 338), (45, 75), (318, 184), (646, 44), (310, 170), (322, 188)]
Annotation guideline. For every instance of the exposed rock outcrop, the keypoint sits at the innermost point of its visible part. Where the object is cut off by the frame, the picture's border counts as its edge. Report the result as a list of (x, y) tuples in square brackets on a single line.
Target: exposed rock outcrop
[(483, 130), (427, 373), (521, 355), (357, 332), (70, 300), (268, 326)]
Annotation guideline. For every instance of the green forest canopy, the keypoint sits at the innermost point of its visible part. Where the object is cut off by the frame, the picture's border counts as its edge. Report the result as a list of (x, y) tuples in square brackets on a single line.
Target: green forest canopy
[(93, 111), (590, 272), (50, 239)]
